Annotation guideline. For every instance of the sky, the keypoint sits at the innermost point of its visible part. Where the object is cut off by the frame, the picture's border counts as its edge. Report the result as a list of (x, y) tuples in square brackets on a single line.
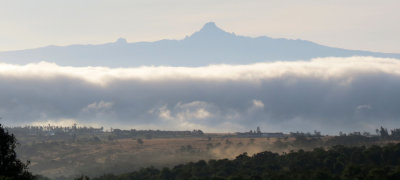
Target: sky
[(356, 24), (326, 94)]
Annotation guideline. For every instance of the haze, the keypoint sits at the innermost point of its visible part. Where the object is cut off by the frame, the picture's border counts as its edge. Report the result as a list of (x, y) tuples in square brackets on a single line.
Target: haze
[(213, 77), (328, 94), (358, 24)]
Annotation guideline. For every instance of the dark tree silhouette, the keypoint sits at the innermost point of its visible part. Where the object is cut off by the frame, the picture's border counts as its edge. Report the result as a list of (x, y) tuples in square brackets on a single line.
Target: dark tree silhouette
[(10, 166), (139, 141), (83, 177), (335, 163)]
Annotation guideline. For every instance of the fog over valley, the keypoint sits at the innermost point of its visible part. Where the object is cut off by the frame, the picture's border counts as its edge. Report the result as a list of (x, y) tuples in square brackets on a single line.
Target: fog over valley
[(210, 90), (326, 94)]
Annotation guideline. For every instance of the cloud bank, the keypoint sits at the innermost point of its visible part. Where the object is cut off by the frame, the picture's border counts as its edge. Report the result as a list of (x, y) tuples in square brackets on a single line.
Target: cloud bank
[(327, 94)]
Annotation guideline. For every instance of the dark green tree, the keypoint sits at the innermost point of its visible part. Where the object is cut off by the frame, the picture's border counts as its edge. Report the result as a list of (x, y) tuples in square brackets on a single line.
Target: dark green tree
[(140, 141), (11, 167), (82, 177)]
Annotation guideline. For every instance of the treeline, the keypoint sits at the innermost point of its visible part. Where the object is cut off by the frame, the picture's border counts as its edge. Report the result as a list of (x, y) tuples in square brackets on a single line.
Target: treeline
[(337, 162), (54, 130), (73, 131), (380, 132), (309, 141), (148, 134)]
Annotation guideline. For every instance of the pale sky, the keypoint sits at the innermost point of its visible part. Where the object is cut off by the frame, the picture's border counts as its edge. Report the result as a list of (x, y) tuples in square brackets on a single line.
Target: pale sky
[(353, 24)]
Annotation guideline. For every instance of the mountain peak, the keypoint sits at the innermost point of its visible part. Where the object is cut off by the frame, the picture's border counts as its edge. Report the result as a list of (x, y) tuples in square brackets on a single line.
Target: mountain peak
[(121, 41), (210, 30), (210, 27)]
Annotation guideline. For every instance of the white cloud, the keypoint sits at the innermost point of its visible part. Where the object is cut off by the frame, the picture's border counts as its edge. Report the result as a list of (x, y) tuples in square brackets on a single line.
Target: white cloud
[(327, 94), (187, 115), (364, 107), (98, 106), (258, 104), (321, 68)]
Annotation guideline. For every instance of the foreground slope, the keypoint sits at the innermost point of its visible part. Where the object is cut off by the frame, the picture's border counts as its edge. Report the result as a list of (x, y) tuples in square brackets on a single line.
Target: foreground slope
[(338, 162)]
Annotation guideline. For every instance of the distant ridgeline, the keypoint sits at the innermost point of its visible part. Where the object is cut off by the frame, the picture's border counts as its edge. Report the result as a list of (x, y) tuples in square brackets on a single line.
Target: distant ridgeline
[(60, 131), (258, 133), (155, 133), (210, 45)]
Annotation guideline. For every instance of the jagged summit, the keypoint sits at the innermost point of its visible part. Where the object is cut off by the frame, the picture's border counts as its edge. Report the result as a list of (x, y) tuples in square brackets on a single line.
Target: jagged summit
[(121, 41), (210, 26), (210, 30), (209, 45)]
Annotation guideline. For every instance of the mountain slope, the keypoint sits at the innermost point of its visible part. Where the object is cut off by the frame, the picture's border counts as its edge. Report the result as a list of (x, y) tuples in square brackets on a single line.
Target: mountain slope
[(210, 45)]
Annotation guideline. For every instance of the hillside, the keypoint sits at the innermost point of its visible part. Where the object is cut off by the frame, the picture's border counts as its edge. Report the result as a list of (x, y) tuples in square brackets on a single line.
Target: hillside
[(338, 162)]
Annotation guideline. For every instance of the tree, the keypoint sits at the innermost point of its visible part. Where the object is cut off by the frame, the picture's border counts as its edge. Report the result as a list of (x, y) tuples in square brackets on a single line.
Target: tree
[(258, 130), (383, 132), (139, 141), (10, 166), (83, 177)]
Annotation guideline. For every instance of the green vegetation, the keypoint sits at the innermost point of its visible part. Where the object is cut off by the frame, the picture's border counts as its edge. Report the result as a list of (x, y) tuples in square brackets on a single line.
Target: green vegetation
[(337, 162), (63, 153), (140, 141)]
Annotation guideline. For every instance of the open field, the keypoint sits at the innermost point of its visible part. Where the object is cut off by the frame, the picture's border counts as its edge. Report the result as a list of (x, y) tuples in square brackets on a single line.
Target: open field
[(61, 158)]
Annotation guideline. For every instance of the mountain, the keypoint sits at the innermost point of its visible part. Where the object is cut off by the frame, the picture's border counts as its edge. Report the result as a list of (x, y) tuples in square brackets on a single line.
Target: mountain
[(210, 45)]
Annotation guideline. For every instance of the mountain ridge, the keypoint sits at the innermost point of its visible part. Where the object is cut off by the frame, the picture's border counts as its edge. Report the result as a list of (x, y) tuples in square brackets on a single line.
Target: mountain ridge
[(209, 45)]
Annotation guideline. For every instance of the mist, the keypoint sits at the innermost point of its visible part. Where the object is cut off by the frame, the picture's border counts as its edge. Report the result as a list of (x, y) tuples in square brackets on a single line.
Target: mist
[(326, 94)]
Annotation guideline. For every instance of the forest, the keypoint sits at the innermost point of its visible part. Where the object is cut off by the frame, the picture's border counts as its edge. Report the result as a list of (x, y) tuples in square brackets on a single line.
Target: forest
[(337, 162)]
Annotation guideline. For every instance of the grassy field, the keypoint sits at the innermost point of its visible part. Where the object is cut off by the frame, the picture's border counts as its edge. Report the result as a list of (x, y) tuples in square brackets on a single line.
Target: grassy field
[(62, 158), (97, 155)]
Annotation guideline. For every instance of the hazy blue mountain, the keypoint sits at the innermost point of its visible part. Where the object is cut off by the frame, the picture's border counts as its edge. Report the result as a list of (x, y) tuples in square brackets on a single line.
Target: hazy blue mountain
[(210, 45)]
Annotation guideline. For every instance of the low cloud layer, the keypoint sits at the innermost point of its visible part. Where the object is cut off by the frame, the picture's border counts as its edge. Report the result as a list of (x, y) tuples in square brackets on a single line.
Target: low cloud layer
[(327, 94)]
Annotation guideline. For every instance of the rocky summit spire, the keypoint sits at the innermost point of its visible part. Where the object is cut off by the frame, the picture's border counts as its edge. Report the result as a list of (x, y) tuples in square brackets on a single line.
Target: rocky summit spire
[(210, 27), (210, 30), (121, 41)]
